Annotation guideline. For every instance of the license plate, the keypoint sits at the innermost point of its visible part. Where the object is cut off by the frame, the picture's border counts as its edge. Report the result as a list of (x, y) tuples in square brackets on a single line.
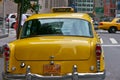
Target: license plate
[(51, 69)]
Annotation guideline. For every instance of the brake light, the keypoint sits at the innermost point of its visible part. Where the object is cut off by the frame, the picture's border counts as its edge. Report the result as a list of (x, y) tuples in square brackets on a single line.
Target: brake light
[(7, 20), (100, 23), (6, 53), (98, 51), (98, 55)]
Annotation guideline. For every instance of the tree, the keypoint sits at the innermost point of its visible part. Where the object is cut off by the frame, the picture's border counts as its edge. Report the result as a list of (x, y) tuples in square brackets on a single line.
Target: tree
[(16, 1), (23, 6), (27, 5), (0, 0)]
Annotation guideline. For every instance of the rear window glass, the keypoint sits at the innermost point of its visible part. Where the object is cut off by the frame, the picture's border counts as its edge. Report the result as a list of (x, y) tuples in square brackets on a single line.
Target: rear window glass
[(13, 16), (64, 27)]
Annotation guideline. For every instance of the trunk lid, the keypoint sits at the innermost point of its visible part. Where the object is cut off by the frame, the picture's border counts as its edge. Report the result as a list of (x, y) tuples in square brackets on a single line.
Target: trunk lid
[(62, 48)]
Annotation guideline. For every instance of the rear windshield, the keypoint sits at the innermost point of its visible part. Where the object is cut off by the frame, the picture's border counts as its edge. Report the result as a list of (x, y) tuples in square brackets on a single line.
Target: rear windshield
[(59, 27)]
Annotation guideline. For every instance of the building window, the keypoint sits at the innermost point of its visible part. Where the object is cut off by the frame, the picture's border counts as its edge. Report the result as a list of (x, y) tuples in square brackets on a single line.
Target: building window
[(113, 1), (83, 1), (83, 9), (91, 5), (88, 9), (79, 9), (88, 5), (88, 0), (112, 10), (79, 5), (46, 3), (91, 9), (91, 0), (101, 4), (51, 4), (107, 1)]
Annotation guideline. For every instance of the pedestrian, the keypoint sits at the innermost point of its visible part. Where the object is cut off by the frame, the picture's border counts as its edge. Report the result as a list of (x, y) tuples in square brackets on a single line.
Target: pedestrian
[(16, 24), (22, 22), (24, 17)]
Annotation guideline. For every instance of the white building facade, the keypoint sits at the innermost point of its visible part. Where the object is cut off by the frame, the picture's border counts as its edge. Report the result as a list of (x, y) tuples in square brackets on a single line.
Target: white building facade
[(46, 5), (86, 6)]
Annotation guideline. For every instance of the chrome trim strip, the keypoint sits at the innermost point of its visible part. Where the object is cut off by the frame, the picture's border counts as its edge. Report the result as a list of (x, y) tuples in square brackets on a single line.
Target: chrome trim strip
[(74, 75), (98, 76)]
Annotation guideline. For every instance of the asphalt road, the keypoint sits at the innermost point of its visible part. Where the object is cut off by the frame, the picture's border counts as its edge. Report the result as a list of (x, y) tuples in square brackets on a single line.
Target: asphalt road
[(11, 37), (111, 47)]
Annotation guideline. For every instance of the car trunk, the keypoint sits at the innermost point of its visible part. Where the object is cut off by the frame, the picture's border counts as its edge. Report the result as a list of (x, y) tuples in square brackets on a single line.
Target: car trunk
[(61, 48)]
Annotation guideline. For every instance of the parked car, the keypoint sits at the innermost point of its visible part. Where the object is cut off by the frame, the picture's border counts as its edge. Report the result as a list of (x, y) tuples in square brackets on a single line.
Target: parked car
[(96, 24), (11, 19), (55, 46), (111, 26)]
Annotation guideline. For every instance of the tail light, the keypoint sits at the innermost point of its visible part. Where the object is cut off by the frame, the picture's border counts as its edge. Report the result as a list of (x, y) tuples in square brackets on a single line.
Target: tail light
[(6, 53), (98, 55), (100, 23), (7, 20)]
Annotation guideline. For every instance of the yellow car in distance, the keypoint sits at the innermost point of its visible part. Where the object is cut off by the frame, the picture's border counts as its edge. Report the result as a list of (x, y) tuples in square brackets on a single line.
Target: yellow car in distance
[(55, 46), (112, 26)]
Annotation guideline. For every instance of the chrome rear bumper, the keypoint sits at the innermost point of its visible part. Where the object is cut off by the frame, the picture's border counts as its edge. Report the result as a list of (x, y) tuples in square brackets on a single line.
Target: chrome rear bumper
[(70, 76)]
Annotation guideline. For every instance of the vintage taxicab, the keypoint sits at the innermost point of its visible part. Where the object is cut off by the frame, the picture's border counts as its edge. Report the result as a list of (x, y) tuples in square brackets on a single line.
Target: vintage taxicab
[(55, 46), (111, 26)]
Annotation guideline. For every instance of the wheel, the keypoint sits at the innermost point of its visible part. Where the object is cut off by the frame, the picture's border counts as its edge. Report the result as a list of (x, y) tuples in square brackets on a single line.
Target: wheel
[(3, 78), (12, 26), (112, 30)]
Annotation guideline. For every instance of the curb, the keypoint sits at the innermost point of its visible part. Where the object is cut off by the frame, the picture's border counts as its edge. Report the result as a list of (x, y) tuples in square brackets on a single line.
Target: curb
[(4, 35)]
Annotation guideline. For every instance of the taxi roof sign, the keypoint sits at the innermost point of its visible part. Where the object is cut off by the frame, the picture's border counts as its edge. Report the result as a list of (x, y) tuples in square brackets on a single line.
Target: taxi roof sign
[(62, 9)]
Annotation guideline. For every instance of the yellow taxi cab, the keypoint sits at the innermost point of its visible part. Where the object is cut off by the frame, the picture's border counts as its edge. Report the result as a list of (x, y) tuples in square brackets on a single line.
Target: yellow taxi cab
[(55, 46), (111, 26)]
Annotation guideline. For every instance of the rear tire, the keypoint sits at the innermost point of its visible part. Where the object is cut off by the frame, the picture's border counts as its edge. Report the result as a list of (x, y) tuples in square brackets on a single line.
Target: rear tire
[(112, 30), (12, 26), (3, 78)]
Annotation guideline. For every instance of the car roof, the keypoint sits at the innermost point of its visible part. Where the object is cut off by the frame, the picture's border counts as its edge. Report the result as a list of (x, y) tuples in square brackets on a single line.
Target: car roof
[(61, 15), (116, 18), (13, 14)]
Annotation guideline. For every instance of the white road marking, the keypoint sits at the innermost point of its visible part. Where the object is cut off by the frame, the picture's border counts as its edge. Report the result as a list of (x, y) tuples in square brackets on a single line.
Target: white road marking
[(101, 40), (111, 45), (113, 41)]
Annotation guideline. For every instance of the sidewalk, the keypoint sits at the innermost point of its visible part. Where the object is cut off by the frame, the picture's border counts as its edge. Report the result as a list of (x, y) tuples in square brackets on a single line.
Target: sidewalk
[(3, 34), (6, 38)]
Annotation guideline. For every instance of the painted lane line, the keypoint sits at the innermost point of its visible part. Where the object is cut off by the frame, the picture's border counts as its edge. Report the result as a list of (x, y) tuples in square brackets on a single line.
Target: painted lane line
[(111, 45), (101, 40), (113, 41)]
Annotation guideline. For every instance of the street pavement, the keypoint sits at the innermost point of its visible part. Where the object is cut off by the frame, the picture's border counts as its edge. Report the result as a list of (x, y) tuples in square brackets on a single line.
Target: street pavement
[(3, 34), (7, 37), (111, 49), (11, 35), (4, 39)]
